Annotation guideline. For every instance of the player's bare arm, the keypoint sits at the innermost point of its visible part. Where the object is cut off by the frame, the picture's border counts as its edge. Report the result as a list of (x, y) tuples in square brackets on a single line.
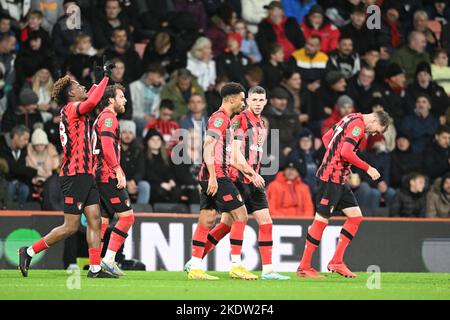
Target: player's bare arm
[(239, 162)]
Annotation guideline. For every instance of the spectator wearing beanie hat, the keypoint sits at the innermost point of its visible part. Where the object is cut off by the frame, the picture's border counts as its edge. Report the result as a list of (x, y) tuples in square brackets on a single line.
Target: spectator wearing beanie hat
[(233, 63), (423, 84), (42, 155), (25, 113), (132, 162), (343, 107), (394, 93)]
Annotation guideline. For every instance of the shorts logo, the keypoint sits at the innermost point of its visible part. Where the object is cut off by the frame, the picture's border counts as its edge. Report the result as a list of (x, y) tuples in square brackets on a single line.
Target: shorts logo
[(79, 205), (127, 202), (115, 200), (218, 122), (239, 197), (227, 198), (68, 200), (109, 122), (356, 131), (324, 202)]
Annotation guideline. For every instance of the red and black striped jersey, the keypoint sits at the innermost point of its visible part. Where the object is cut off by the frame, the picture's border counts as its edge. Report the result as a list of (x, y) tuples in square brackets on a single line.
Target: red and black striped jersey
[(251, 131), (106, 145), (219, 127), (74, 134), (336, 163)]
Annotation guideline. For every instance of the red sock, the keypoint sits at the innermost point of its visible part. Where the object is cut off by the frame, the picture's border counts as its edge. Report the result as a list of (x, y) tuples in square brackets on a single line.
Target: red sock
[(215, 235), (94, 256), (237, 236), (39, 246), (103, 230), (199, 240), (120, 232), (348, 231), (312, 242), (265, 243)]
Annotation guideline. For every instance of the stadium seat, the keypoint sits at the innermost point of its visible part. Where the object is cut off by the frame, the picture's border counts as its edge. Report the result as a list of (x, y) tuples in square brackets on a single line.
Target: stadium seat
[(142, 208), (436, 27), (171, 208), (194, 208)]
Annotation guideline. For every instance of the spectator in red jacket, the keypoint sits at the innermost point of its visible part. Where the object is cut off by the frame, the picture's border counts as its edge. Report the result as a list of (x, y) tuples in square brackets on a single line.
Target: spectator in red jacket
[(316, 24), (288, 195)]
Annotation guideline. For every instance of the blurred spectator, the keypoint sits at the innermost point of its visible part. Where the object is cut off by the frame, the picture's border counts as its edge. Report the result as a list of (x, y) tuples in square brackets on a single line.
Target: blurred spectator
[(196, 118), (410, 55), (179, 89), (158, 171), (438, 198), (41, 155), (410, 200), (34, 24), (344, 59), (273, 66), (213, 98), (145, 96), (292, 83), (282, 119), (403, 160), (361, 88), (186, 173), (377, 103), (195, 8), (26, 112), (437, 154), (391, 32), (233, 62), (152, 15), (288, 196), (371, 57), (248, 45), (394, 92), (51, 10), (420, 22), (277, 28), (121, 48), (51, 128), (253, 76), (339, 11), (316, 23), (109, 20), (253, 12), (363, 38), (445, 38), (305, 156), (201, 64), (423, 84), (221, 24), (440, 70), (344, 106), (164, 124), (439, 11), (63, 37), (42, 85), (421, 123), (132, 161), (310, 61), (297, 9), (81, 61), (7, 58), (162, 50), (118, 77), (368, 198), (13, 148), (405, 9), (7, 30)]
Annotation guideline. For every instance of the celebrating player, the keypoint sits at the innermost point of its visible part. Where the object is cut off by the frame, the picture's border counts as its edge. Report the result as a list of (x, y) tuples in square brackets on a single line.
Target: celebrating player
[(76, 177), (342, 142), (109, 175), (249, 138), (218, 191)]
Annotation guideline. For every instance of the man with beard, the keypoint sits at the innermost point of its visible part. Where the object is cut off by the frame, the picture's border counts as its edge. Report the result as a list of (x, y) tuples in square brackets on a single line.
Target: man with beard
[(110, 178)]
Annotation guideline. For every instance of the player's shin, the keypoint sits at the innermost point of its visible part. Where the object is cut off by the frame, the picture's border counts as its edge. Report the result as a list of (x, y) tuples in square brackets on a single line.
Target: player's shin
[(37, 247), (312, 242), (236, 240), (198, 245), (265, 244), (348, 231), (214, 236), (102, 234), (118, 235)]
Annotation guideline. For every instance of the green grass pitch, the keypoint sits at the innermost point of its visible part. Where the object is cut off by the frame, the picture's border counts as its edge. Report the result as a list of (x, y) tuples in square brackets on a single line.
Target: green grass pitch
[(52, 284)]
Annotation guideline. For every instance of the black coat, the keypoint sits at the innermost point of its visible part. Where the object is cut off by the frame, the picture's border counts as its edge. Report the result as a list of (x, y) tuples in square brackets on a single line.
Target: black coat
[(132, 162), (408, 204), (17, 168), (266, 35), (287, 123), (403, 163), (13, 116), (363, 39), (133, 65), (361, 97), (233, 66), (440, 101), (436, 160)]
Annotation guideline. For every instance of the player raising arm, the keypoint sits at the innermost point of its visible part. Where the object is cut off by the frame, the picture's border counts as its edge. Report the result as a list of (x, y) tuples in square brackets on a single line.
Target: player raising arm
[(341, 142), (76, 177)]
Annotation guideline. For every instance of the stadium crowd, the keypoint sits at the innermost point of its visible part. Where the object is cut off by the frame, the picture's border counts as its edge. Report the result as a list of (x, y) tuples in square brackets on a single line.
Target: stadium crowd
[(319, 60)]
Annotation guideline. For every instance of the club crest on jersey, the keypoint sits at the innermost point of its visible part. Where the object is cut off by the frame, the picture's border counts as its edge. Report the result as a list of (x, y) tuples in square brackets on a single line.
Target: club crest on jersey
[(79, 205), (109, 122), (218, 122), (260, 139), (236, 124), (356, 131)]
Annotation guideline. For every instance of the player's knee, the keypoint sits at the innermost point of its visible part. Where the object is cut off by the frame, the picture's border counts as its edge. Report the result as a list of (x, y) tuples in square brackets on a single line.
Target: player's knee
[(128, 218)]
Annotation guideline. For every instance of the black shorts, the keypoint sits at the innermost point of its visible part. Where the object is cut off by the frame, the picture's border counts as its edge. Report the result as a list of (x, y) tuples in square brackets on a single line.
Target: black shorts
[(113, 200), (255, 199), (226, 199), (332, 196), (79, 191)]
